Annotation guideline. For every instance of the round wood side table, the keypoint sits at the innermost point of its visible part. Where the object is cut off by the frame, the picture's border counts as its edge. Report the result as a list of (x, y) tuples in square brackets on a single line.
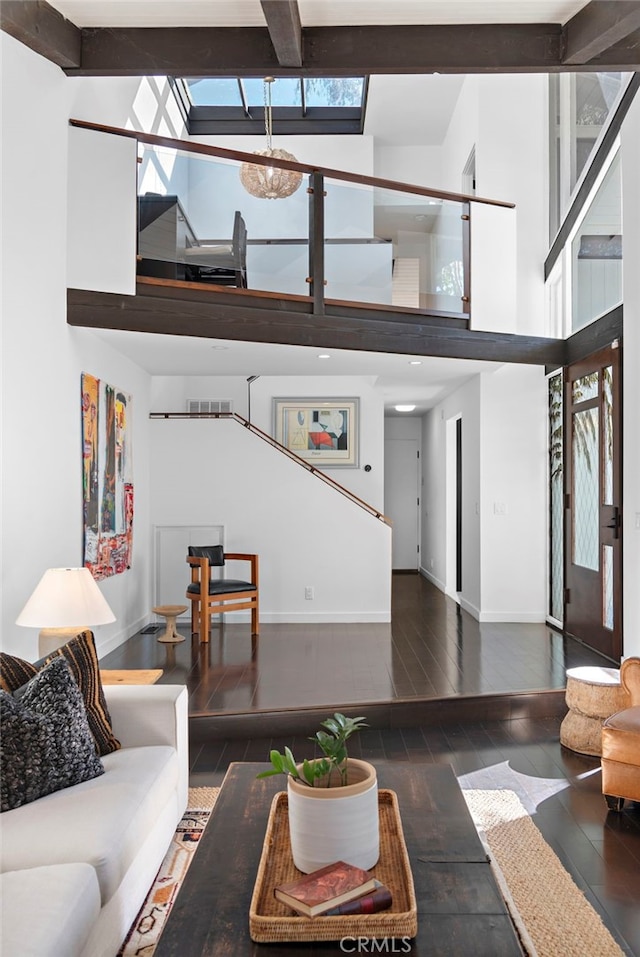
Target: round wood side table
[(593, 694), (170, 612)]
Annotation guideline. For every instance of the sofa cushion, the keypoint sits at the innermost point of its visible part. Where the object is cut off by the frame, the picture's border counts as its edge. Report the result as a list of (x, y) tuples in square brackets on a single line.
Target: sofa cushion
[(66, 899), (46, 744), (103, 822), (81, 655)]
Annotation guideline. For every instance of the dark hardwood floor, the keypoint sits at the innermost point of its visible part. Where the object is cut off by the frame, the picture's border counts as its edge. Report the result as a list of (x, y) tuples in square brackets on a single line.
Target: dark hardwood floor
[(432, 649), (436, 687)]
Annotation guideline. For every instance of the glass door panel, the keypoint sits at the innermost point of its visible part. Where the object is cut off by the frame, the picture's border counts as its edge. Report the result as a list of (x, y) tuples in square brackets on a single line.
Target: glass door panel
[(592, 605), (586, 505)]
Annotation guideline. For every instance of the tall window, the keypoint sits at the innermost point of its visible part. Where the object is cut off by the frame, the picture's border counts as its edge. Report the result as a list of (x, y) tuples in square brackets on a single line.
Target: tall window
[(580, 105), (586, 280), (596, 252)]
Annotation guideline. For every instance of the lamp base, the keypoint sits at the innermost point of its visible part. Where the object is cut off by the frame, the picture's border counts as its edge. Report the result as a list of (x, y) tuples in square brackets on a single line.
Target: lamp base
[(50, 639)]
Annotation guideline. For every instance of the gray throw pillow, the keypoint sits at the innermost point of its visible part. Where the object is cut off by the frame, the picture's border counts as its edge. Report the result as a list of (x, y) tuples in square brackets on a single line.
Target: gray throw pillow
[(46, 743)]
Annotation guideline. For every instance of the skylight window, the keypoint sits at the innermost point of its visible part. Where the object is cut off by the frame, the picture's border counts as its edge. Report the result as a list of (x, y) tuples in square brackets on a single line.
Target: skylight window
[(235, 105)]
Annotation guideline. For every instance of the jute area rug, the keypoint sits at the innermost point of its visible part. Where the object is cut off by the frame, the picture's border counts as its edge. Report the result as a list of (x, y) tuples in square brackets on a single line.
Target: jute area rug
[(143, 937), (552, 916)]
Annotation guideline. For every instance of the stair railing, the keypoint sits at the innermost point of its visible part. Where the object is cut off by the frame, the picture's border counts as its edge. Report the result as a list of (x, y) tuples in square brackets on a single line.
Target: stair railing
[(265, 437)]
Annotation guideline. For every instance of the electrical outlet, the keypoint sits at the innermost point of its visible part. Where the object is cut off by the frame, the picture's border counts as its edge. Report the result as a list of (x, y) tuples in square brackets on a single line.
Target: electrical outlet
[(308, 592)]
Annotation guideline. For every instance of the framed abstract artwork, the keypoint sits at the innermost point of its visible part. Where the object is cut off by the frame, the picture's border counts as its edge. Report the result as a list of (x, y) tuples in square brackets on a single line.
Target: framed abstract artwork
[(322, 431), (107, 478)]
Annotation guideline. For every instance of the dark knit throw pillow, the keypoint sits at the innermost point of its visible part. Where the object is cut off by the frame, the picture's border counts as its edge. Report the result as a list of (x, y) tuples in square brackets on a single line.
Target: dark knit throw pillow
[(80, 653), (46, 742)]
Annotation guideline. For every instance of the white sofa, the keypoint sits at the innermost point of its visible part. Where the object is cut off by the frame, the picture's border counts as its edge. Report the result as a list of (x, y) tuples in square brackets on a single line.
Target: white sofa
[(77, 864)]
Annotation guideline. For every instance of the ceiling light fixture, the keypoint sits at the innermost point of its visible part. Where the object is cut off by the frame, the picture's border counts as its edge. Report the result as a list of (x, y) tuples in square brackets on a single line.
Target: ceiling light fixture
[(324, 355), (270, 182), (415, 362), (404, 408)]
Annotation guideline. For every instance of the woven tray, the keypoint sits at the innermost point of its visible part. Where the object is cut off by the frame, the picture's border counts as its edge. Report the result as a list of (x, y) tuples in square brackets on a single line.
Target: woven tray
[(271, 921)]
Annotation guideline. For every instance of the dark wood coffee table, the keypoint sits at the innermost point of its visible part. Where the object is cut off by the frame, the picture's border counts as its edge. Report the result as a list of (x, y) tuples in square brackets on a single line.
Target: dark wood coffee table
[(461, 912)]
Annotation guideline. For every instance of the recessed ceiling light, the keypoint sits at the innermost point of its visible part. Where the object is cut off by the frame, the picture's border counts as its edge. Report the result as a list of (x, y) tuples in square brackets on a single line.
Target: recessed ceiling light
[(404, 408), (415, 362), (324, 355)]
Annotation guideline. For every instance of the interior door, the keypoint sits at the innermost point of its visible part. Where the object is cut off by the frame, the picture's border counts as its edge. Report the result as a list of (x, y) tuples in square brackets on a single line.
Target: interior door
[(593, 544), (401, 501)]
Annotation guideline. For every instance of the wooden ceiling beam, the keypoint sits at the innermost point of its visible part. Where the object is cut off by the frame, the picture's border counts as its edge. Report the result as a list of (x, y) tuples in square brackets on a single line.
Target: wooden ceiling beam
[(605, 35), (285, 30), (43, 29), (337, 51), (600, 26)]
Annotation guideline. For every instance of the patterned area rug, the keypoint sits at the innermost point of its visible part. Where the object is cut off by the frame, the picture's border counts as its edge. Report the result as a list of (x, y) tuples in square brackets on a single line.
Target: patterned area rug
[(549, 910), (143, 937)]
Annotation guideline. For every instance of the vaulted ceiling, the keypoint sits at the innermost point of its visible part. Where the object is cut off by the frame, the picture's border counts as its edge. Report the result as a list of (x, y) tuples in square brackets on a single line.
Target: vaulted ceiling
[(322, 38)]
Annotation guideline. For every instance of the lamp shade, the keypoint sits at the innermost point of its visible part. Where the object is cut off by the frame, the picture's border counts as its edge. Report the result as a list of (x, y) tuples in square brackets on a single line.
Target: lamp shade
[(65, 598)]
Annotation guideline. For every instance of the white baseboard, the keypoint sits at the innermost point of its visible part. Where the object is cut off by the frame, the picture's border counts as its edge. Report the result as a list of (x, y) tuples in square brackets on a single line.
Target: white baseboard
[(432, 578), (324, 618), (104, 646), (523, 617), (473, 611), (301, 618)]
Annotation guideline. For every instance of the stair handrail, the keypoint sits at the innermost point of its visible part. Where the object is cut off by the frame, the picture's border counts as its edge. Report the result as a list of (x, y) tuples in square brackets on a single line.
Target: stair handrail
[(234, 416)]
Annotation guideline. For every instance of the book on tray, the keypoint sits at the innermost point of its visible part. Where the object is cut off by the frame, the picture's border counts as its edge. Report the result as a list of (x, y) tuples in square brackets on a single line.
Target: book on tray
[(371, 903), (326, 888)]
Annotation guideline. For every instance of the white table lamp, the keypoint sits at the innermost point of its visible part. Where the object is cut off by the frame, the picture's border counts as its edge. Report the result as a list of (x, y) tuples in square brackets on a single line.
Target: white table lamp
[(65, 602)]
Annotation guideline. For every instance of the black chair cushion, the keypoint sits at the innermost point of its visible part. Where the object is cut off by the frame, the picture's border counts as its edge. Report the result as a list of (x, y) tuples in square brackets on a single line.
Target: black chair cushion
[(222, 587), (215, 553)]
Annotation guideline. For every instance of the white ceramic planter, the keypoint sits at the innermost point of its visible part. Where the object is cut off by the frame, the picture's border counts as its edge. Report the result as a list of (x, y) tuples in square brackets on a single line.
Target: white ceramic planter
[(328, 824)]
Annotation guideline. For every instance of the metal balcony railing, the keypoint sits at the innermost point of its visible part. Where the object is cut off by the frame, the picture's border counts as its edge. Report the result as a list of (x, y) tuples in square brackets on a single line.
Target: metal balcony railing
[(338, 238)]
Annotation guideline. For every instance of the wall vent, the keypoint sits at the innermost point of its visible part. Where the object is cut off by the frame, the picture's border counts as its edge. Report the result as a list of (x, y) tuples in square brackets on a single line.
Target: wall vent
[(209, 405)]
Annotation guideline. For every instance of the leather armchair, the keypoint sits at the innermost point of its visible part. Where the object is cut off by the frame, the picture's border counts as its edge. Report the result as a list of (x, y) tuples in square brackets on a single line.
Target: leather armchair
[(621, 743)]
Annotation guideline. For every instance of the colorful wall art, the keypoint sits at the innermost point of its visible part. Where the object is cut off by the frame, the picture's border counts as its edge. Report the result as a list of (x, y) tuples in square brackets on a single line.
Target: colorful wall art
[(322, 431), (107, 478)]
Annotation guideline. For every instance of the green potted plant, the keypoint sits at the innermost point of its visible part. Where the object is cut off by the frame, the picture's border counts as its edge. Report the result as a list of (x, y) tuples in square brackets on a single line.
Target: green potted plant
[(332, 800)]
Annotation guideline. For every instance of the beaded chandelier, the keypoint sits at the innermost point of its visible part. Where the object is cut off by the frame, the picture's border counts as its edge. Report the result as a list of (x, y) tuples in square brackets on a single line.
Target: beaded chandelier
[(270, 182)]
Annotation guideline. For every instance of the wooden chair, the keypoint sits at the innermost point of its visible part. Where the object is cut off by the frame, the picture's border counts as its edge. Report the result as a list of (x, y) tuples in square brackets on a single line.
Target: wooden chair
[(210, 596)]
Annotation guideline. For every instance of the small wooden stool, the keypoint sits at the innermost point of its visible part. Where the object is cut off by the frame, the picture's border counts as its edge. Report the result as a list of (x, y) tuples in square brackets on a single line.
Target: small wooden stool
[(170, 612), (593, 694)]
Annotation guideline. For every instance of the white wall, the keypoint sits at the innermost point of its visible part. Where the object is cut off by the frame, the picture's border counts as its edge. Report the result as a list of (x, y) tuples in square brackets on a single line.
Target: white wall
[(306, 533), (171, 392), (135, 103), (513, 470), (43, 358), (505, 118), (630, 139), (419, 165), (101, 212), (353, 154), (438, 493), (403, 427), (503, 494)]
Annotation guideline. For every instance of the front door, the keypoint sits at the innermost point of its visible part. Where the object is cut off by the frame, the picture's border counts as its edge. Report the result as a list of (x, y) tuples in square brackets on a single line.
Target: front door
[(593, 545)]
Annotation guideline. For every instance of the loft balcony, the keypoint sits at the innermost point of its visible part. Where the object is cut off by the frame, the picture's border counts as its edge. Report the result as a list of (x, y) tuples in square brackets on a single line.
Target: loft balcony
[(164, 237)]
